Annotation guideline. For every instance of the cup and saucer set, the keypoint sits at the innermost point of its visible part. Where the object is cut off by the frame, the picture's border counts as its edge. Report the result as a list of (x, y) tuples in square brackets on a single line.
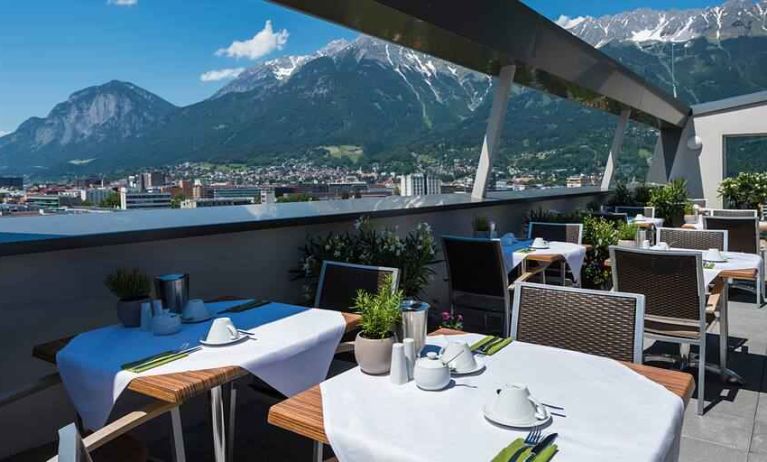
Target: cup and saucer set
[(514, 406)]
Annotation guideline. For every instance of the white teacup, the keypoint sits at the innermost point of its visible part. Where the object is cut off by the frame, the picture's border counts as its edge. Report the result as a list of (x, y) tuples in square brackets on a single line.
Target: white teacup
[(514, 404), (222, 330), (458, 357), (713, 255), (661, 246), (646, 244), (539, 243), (195, 309)]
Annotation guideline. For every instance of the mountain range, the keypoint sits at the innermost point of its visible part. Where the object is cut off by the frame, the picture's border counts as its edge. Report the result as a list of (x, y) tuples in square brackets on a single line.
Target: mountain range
[(393, 102)]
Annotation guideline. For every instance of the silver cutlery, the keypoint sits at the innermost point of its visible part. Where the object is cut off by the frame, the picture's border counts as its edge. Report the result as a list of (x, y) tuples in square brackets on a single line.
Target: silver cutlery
[(531, 440), (555, 410), (248, 333), (541, 446)]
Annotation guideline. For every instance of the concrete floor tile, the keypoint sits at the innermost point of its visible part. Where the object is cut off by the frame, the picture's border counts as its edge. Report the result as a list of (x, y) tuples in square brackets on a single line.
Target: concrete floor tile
[(693, 450)]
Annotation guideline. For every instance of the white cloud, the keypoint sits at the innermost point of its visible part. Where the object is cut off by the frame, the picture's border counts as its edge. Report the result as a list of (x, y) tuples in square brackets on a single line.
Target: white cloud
[(567, 22), (221, 74), (263, 43), (122, 2)]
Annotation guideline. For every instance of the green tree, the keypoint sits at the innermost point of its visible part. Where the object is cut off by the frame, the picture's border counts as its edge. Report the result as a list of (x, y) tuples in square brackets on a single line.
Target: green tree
[(112, 201), (175, 201)]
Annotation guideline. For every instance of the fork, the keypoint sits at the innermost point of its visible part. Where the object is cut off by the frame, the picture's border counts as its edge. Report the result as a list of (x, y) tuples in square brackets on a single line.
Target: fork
[(534, 437)]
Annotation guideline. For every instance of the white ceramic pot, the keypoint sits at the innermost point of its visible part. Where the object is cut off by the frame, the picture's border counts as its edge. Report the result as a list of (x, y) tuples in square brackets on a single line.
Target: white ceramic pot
[(373, 354), (431, 373), (129, 312)]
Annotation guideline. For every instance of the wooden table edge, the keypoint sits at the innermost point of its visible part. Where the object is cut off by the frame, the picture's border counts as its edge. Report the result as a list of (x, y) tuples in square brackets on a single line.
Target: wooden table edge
[(302, 413)]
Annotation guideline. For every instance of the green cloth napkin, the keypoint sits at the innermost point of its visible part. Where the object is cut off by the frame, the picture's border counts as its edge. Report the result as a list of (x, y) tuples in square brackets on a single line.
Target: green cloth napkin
[(506, 453), (245, 306), (148, 359), (159, 361), (709, 265), (526, 250), (499, 346), (482, 342)]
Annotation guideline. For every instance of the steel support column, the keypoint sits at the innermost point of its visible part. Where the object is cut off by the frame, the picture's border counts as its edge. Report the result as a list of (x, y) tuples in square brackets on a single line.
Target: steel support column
[(493, 132), (615, 149)]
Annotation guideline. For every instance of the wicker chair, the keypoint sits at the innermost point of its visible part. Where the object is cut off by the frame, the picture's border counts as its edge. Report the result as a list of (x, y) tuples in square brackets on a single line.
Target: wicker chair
[(741, 213), (695, 239), (339, 283), (612, 326), (648, 212), (679, 315), (742, 236), (479, 287), (561, 232)]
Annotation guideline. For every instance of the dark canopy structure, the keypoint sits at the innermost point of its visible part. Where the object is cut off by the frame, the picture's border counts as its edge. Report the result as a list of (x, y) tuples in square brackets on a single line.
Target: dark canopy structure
[(486, 35)]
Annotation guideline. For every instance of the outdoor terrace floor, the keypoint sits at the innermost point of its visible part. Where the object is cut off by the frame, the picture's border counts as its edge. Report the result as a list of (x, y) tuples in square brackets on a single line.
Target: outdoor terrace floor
[(733, 429)]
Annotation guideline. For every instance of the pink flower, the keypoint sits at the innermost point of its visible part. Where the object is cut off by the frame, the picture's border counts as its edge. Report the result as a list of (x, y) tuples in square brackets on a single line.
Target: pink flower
[(445, 315)]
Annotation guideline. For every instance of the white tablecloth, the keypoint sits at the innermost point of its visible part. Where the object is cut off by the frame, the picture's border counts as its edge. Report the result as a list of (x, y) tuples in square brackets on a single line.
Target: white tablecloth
[(735, 261), (612, 412), (293, 351), (573, 254)]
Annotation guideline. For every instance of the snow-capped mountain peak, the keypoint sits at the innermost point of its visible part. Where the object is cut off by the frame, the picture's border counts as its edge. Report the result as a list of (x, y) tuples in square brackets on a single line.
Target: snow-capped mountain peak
[(734, 18)]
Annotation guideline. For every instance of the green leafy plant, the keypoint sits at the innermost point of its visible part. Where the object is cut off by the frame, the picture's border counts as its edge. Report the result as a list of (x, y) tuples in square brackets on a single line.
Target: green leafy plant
[(480, 224), (414, 254), (627, 231), (600, 234), (380, 312), (748, 190), (621, 196), (129, 284), (550, 216), (670, 201)]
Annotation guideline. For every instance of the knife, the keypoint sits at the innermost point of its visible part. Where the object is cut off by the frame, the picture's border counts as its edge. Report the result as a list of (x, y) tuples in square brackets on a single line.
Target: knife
[(541, 446)]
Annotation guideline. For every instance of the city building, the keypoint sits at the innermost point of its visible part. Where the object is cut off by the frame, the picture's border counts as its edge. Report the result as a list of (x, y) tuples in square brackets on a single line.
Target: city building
[(151, 180), (12, 182), (420, 184), (225, 192), (267, 196), (94, 195), (216, 202), (45, 201), (143, 200)]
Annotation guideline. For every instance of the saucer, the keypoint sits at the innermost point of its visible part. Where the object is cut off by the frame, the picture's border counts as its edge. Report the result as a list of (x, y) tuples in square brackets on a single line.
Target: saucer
[(240, 338), (480, 366), (543, 247), (194, 321), (506, 422)]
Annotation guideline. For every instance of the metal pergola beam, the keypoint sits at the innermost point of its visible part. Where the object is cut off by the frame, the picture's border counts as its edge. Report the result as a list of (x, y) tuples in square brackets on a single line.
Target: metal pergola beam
[(487, 35)]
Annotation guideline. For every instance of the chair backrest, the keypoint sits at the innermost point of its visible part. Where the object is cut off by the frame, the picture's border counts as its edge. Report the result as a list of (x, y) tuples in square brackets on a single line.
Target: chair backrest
[(648, 212), (742, 233), (698, 239), (596, 322), (71, 447), (671, 281), (743, 213), (614, 218), (560, 232), (699, 202), (340, 282), (475, 266)]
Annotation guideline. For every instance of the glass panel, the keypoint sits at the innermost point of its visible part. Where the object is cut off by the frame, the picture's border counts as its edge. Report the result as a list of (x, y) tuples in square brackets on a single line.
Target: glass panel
[(745, 154)]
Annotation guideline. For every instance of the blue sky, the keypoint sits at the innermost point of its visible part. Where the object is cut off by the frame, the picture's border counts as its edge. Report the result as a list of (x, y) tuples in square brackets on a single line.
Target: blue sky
[(51, 48)]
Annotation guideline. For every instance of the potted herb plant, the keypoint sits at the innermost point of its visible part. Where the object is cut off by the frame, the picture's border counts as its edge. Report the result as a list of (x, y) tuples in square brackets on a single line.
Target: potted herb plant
[(627, 234), (132, 287), (600, 234), (380, 316)]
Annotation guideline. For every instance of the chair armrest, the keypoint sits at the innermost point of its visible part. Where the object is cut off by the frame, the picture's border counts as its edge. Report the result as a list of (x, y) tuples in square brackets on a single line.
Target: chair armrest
[(715, 296)]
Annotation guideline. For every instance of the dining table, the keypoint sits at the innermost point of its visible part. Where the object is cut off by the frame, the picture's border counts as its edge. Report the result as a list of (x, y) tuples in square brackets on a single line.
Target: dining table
[(305, 413), (520, 253), (168, 390)]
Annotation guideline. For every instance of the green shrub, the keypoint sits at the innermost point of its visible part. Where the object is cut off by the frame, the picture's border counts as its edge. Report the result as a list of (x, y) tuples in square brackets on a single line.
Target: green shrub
[(670, 202), (627, 231), (748, 190), (600, 234)]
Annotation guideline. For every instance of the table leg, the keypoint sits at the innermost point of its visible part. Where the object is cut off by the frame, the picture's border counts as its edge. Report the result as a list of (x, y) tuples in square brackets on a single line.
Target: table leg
[(178, 435), (563, 271), (725, 373), (219, 430), (316, 451), (232, 412)]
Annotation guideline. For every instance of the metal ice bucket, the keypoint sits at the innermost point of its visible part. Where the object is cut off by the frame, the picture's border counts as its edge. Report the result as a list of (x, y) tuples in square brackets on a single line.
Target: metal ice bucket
[(415, 319), (173, 290)]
